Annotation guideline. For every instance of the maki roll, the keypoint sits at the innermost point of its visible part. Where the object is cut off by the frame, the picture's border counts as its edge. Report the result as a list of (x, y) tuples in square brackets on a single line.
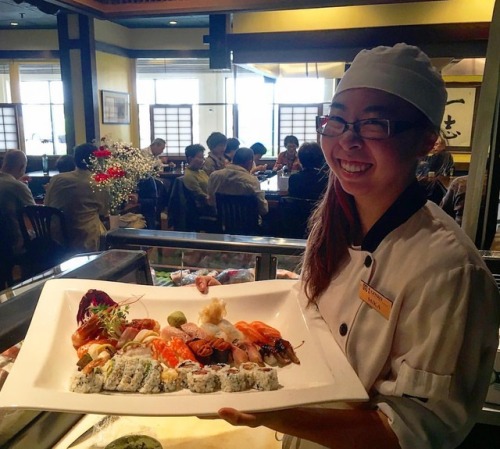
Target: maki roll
[(184, 368), (248, 368), (151, 381), (233, 379), (133, 373), (171, 380), (86, 383), (265, 378), (202, 381), (113, 371)]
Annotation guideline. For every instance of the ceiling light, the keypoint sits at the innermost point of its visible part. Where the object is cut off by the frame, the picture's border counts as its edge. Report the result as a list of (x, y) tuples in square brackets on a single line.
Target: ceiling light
[(172, 22)]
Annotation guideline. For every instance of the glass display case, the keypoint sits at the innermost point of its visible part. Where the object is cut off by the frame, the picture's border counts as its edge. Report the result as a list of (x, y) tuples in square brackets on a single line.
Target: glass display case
[(42, 429), (178, 257)]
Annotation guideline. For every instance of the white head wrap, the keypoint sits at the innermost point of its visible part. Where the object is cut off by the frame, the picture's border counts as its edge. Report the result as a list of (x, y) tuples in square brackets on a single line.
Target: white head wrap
[(402, 70)]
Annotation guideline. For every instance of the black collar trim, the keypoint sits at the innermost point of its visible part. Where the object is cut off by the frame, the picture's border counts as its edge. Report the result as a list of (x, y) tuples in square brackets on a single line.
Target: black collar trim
[(408, 203)]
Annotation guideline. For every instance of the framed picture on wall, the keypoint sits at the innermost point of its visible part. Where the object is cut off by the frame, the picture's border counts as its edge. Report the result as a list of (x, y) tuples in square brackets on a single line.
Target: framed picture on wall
[(115, 107), (459, 114)]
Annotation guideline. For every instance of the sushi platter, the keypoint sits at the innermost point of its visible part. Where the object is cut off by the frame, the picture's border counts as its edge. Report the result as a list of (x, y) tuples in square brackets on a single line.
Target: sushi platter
[(42, 376)]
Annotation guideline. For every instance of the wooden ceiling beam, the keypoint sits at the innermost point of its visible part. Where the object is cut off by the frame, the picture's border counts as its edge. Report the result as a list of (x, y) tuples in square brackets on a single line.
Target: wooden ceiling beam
[(462, 40)]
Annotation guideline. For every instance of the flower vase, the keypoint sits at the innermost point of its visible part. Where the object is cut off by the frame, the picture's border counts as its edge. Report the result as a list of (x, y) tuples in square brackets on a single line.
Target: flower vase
[(114, 222)]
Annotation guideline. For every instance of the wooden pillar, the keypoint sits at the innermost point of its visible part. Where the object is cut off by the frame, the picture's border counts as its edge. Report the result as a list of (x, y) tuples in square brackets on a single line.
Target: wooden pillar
[(220, 56), (79, 76), (485, 152)]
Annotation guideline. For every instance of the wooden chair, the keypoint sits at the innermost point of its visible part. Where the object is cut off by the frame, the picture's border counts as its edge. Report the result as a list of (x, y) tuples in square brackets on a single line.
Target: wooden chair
[(183, 214), (294, 216), (45, 238), (7, 260), (238, 214)]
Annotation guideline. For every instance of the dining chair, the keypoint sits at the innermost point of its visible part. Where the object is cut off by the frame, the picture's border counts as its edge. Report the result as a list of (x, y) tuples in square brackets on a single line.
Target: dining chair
[(183, 214), (8, 260), (294, 216), (238, 214), (45, 237)]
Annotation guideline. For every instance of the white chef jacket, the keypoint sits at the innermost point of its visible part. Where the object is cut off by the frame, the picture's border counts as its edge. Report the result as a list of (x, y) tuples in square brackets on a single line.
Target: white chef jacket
[(427, 365)]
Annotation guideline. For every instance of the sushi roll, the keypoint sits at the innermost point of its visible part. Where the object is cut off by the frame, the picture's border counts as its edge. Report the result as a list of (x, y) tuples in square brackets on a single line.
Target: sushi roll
[(86, 383), (132, 376), (233, 380), (217, 369), (113, 371), (170, 380), (184, 368), (265, 378), (202, 381), (248, 368), (151, 381)]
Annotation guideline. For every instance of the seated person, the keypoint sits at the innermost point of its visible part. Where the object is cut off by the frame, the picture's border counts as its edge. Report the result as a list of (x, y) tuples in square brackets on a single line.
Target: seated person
[(236, 179), (14, 195), (65, 163), (454, 200), (231, 146), (439, 161), (154, 150), (196, 180), (215, 160), (72, 193), (288, 158), (258, 151), (152, 193), (434, 188), (311, 181)]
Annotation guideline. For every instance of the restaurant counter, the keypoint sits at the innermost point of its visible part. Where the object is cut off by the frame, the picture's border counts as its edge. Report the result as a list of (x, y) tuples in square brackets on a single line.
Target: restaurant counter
[(263, 257), (43, 429)]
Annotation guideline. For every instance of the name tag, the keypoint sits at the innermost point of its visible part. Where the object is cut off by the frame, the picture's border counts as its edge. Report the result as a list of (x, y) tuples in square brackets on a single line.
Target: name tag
[(375, 299)]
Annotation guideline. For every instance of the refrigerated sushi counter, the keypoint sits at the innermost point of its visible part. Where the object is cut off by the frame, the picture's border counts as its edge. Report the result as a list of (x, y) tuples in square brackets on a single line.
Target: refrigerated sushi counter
[(163, 259)]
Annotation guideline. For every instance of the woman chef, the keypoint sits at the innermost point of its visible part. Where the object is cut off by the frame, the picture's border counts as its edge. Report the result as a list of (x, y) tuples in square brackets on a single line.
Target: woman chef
[(397, 284)]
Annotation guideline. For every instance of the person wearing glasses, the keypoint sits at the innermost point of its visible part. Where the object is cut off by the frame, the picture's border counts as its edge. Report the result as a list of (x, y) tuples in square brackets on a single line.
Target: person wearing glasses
[(388, 276)]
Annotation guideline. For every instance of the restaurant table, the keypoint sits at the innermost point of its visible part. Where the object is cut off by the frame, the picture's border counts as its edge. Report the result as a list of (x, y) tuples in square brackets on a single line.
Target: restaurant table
[(274, 187), (38, 179)]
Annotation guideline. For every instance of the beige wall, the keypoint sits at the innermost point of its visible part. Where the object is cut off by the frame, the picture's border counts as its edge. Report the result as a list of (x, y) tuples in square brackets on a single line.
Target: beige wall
[(29, 40), (115, 73)]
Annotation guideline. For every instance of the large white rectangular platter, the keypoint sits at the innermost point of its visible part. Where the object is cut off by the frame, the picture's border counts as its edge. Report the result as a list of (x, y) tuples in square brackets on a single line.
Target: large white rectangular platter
[(40, 377)]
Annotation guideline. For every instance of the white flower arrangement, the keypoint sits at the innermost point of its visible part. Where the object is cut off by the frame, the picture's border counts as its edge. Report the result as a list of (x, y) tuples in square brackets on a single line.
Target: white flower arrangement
[(118, 167)]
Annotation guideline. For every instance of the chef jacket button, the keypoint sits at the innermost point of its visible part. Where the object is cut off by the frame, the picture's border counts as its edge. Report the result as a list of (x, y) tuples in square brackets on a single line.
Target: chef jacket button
[(368, 261), (343, 329)]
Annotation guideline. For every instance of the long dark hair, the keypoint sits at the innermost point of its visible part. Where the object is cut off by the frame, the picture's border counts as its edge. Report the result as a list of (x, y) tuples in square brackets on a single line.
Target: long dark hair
[(332, 228)]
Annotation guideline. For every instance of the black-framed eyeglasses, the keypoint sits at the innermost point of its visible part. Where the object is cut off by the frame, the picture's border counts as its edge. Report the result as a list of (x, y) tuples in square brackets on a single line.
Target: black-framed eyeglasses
[(370, 128)]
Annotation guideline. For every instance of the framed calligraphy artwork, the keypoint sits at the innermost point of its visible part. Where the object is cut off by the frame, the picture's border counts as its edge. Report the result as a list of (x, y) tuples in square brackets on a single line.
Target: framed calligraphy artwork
[(458, 121)]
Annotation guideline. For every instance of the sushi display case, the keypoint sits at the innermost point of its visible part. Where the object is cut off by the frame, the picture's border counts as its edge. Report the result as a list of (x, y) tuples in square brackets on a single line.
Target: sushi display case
[(177, 258), (42, 429)]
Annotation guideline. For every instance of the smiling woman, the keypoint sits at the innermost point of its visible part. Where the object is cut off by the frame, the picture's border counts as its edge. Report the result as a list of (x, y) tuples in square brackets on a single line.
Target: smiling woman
[(371, 287)]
